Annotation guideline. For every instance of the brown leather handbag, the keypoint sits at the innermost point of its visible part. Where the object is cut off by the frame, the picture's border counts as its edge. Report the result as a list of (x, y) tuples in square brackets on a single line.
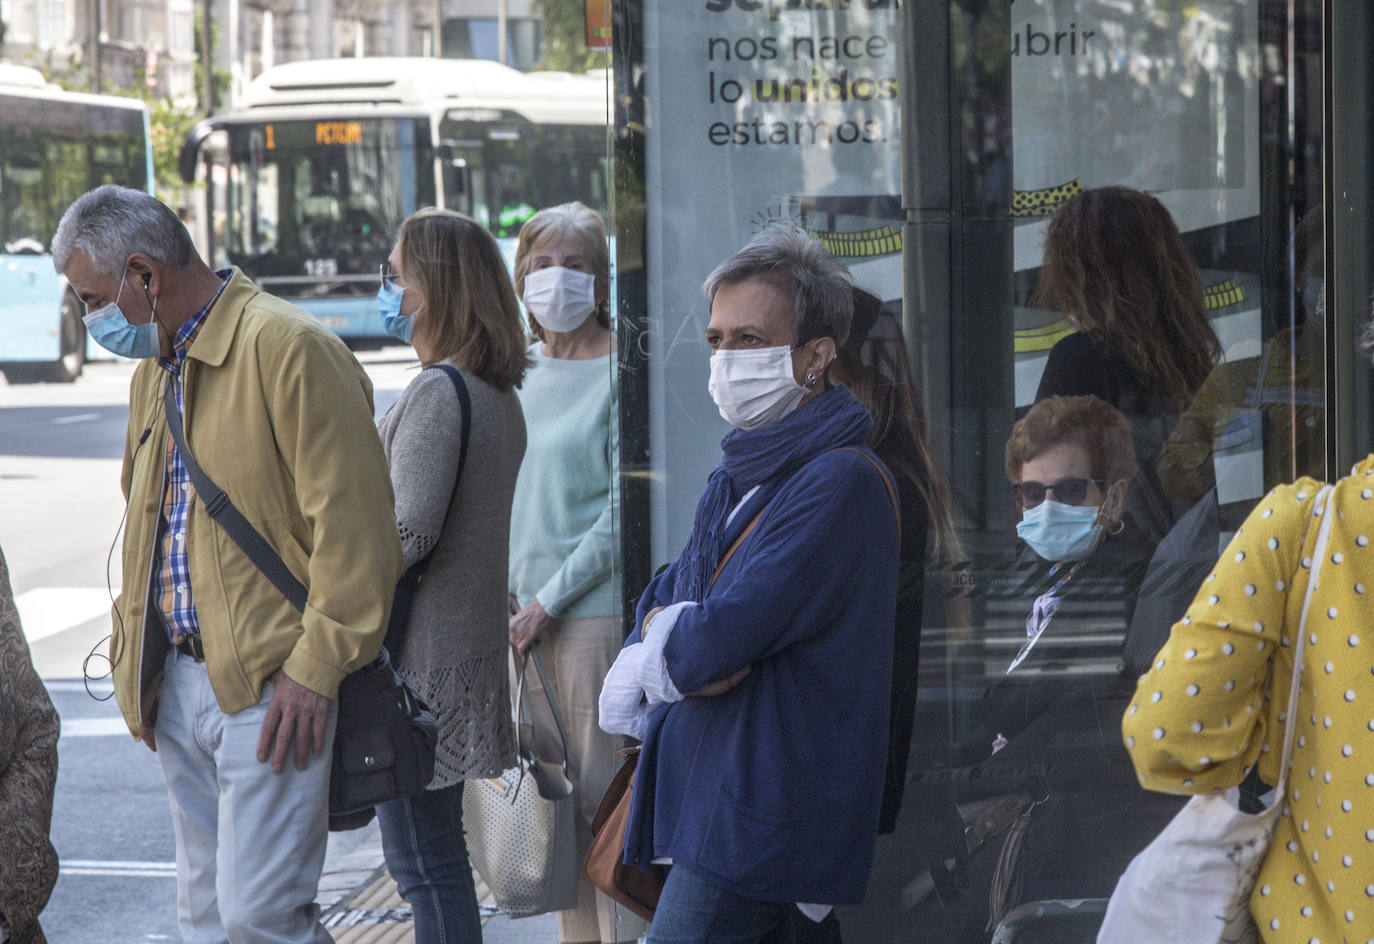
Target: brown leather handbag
[(625, 884)]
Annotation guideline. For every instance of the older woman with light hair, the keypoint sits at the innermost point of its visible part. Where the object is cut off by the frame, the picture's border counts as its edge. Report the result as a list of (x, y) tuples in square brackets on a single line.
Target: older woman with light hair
[(562, 545), (759, 669)]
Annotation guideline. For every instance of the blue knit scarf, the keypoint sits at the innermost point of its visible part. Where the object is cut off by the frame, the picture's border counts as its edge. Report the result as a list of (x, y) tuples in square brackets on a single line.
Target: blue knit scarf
[(827, 421)]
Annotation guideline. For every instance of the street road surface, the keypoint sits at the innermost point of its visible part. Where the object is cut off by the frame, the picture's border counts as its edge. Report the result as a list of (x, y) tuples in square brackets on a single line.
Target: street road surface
[(60, 511)]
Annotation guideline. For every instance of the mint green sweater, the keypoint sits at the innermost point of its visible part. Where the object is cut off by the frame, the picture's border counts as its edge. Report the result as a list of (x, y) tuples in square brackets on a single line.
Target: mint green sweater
[(562, 539)]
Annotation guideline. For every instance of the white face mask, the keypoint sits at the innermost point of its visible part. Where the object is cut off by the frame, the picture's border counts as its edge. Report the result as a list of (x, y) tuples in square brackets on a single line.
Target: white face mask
[(756, 387), (560, 299)]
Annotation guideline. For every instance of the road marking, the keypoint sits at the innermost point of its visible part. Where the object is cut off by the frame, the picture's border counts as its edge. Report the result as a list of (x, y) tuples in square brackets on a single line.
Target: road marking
[(99, 687), (115, 867), (47, 611), (75, 418), (94, 727)]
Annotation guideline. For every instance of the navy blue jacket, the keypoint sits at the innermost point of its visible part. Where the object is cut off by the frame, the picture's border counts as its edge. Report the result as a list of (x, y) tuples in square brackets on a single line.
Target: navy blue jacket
[(772, 790)]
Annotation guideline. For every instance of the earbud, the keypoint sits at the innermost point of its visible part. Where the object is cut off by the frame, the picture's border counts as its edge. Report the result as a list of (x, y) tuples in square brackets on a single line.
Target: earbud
[(147, 279)]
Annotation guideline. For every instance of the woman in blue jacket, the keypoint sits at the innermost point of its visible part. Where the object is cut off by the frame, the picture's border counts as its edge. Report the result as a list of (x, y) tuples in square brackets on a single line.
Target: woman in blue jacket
[(761, 691)]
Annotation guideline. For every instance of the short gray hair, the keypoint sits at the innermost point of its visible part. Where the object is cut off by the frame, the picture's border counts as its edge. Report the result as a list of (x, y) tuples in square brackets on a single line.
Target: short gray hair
[(110, 223), (792, 260)]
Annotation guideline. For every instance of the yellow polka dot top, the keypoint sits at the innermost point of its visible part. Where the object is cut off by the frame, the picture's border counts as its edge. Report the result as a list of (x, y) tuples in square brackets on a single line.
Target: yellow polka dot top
[(1213, 704)]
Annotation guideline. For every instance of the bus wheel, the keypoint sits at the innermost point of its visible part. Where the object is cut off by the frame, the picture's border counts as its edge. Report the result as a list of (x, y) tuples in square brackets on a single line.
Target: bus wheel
[(68, 367)]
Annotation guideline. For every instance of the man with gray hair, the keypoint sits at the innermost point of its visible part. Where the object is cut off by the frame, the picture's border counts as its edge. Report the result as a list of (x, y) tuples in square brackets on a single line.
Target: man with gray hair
[(213, 668)]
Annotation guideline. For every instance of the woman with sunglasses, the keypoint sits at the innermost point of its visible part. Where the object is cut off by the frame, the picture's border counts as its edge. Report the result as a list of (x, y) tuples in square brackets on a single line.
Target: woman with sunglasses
[(1046, 737), (445, 290)]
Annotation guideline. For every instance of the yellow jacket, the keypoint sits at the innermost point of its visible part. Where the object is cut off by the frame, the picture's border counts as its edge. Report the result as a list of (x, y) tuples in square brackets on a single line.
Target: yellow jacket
[(279, 414), (1214, 703)]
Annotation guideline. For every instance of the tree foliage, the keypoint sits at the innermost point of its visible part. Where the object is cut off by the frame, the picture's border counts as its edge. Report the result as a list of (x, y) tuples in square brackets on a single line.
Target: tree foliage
[(563, 43), (169, 120)]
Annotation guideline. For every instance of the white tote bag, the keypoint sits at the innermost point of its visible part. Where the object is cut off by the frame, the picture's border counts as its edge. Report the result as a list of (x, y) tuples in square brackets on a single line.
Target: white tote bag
[(521, 829), (1192, 884)]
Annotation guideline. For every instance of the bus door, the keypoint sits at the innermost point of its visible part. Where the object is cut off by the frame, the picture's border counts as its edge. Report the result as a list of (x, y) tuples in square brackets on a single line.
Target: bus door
[(493, 147)]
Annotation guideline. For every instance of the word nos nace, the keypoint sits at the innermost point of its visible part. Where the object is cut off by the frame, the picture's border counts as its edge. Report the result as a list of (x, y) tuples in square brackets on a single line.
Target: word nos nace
[(747, 48)]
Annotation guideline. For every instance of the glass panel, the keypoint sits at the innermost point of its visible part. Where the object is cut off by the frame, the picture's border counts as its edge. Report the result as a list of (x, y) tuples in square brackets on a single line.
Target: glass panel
[(324, 198), (1118, 200)]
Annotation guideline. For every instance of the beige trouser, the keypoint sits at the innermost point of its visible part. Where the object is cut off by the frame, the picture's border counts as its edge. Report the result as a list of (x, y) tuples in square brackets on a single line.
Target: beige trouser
[(576, 659)]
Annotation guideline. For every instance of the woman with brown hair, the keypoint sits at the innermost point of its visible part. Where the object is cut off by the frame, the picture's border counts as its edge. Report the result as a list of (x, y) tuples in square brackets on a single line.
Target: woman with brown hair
[(1046, 729), (445, 287), (1116, 266)]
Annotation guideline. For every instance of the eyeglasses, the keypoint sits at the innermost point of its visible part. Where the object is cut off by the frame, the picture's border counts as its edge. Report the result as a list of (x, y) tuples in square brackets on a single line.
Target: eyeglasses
[(388, 277), (1071, 491)]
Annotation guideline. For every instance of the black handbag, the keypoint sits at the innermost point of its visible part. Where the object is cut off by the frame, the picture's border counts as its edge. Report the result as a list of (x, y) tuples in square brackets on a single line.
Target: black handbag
[(385, 736)]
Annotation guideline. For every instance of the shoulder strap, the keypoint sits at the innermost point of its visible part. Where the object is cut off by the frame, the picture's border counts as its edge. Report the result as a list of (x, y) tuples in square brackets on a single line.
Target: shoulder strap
[(887, 481), (1322, 506), (221, 509), (460, 387), (891, 496), (734, 547)]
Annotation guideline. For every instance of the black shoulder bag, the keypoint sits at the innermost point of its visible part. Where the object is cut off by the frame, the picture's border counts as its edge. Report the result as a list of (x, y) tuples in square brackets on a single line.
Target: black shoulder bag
[(385, 736)]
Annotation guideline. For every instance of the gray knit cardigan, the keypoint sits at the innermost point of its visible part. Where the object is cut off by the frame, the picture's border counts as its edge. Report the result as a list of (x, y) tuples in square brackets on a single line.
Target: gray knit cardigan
[(454, 650)]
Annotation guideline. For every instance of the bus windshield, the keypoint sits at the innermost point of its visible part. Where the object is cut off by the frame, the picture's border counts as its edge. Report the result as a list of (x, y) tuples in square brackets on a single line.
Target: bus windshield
[(51, 152), (324, 198)]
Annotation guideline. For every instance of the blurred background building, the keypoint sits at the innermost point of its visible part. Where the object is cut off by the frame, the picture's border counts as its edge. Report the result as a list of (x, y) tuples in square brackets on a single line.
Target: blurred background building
[(133, 45)]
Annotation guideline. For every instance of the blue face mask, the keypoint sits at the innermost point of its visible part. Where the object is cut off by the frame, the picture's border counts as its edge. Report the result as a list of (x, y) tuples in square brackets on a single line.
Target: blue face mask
[(1059, 532), (389, 310), (112, 331)]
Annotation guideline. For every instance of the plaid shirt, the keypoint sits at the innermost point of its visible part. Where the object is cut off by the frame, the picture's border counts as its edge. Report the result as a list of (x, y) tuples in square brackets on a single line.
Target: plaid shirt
[(171, 567)]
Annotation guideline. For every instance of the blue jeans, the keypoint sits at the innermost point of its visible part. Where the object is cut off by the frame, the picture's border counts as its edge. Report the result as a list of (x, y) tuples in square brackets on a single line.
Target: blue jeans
[(422, 840), (693, 910)]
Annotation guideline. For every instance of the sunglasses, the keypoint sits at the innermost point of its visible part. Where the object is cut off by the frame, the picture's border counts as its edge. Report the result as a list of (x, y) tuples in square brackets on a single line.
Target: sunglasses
[(1071, 491), (388, 277)]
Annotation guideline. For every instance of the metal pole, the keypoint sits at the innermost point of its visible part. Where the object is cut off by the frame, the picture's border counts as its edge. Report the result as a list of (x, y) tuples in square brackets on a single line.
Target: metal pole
[(501, 32), (206, 60), (97, 27), (438, 40)]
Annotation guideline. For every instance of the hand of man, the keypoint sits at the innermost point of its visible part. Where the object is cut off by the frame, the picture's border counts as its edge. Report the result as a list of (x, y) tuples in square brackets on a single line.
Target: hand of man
[(721, 687), (530, 625), (149, 723), (294, 714)]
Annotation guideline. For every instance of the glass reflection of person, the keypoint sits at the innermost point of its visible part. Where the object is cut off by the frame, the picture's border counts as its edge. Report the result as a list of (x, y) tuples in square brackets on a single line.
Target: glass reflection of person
[(873, 364), (1116, 266), (562, 543), (1046, 727), (1259, 422)]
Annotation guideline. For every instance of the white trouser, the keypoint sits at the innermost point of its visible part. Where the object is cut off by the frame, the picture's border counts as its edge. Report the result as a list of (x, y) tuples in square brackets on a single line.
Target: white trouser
[(250, 842)]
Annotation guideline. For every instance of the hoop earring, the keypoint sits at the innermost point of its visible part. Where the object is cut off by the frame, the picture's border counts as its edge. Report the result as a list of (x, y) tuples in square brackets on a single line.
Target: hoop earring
[(1118, 527)]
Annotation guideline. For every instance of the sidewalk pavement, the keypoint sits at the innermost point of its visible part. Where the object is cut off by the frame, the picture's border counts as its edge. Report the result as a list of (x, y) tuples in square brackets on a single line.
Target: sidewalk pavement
[(360, 905)]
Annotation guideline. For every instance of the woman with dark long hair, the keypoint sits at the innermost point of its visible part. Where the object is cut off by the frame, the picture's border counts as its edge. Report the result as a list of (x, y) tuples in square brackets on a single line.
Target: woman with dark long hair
[(873, 364), (1116, 266)]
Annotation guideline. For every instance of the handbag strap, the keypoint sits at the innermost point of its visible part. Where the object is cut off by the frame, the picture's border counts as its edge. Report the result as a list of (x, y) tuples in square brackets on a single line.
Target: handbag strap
[(891, 497), (532, 655), (1322, 507), (887, 482), (221, 509)]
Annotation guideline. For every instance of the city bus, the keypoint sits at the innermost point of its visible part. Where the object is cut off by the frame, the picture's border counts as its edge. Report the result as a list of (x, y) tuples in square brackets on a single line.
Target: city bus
[(54, 146), (310, 176)]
